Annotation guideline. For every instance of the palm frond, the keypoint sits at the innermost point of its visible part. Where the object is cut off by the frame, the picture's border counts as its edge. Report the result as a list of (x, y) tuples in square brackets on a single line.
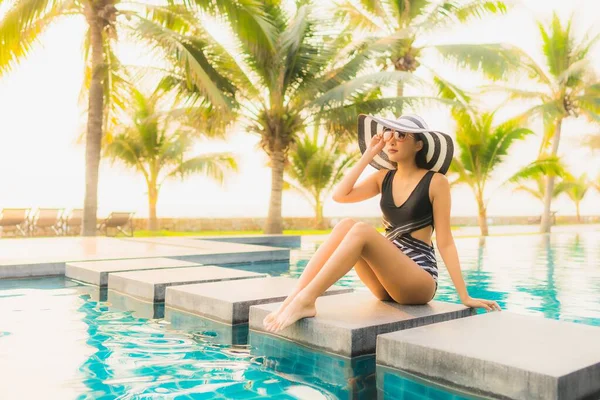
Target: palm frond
[(189, 52), (296, 49), (369, 18), (289, 184), (22, 25), (249, 19), (127, 149), (462, 174), (116, 89), (500, 141), (537, 169), (496, 60), (342, 92), (589, 102), (516, 93), (550, 111), (557, 45), (406, 11), (453, 11), (533, 192), (213, 165)]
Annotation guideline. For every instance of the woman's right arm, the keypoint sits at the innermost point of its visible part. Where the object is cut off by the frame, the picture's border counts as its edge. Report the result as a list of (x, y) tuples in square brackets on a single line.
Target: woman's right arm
[(346, 192)]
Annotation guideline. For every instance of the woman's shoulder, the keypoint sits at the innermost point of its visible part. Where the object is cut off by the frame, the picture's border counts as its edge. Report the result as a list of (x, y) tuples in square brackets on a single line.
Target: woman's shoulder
[(439, 181), (379, 176)]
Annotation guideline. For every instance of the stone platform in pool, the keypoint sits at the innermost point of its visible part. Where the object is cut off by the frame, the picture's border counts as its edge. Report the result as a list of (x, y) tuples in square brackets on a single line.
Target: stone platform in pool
[(348, 324), (21, 258), (150, 285), (501, 354), (230, 301), (96, 272)]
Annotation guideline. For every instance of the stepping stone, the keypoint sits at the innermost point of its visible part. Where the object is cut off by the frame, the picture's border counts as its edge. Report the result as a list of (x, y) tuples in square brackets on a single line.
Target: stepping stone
[(348, 324), (96, 272), (150, 285), (140, 309), (229, 302), (217, 252), (501, 354), (200, 327)]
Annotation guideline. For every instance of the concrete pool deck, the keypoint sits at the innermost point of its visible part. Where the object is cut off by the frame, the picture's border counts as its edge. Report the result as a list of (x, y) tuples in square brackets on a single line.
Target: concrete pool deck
[(22, 258)]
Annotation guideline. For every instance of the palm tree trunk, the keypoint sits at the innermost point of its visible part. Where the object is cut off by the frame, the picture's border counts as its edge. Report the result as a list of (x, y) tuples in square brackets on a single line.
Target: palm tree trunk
[(399, 93), (93, 136), (482, 218), (319, 214), (152, 200), (274, 223), (545, 222), (577, 211)]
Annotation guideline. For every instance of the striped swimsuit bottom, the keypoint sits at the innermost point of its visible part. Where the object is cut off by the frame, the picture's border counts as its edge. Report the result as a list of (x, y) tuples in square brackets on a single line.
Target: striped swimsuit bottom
[(420, 252)]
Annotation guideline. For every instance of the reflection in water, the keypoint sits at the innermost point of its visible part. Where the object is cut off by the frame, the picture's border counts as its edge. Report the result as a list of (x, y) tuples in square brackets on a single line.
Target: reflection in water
[(393, 384)]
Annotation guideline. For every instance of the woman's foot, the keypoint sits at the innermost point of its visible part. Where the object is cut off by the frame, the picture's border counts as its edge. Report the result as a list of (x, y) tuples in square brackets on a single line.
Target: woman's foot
[(271, 317), (299, 308)]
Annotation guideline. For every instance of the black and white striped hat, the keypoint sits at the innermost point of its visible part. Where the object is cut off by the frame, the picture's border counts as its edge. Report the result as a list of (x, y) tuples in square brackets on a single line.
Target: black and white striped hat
[(438, 146)]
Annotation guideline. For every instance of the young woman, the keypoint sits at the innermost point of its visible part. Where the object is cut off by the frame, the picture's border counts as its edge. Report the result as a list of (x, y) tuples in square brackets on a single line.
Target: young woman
[(415, 199)]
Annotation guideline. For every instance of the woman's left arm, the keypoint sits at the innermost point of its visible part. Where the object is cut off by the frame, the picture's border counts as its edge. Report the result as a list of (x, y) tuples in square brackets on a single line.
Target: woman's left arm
[(441, 199)]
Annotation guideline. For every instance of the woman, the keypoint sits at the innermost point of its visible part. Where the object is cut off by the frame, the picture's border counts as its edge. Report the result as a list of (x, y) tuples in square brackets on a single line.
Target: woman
[(415, 199)]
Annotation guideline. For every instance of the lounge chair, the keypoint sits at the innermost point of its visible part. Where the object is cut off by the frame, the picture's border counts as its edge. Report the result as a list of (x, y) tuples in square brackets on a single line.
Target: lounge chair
[(73, 221), (15, 218), (121, 221), (46, 219)]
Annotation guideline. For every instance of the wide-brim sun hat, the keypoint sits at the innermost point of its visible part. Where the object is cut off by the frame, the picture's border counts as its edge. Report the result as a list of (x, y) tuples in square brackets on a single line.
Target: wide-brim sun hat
[(438, 146)]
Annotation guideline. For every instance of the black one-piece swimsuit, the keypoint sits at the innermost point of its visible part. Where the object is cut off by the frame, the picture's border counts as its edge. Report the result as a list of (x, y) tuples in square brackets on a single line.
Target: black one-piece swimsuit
[(414, 214)]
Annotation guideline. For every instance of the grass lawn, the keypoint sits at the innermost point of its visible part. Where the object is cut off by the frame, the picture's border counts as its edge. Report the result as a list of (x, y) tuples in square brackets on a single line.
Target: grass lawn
[(145, 233)]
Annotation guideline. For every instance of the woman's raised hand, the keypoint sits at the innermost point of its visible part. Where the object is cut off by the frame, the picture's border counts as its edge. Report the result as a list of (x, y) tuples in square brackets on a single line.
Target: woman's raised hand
[(376, 145)]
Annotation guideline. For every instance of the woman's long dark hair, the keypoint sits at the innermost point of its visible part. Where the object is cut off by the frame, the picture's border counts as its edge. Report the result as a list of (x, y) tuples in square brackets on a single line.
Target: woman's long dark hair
[(420, 157)]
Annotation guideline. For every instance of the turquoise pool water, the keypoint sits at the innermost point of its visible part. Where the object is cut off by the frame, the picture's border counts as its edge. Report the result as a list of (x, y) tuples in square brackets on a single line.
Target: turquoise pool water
[(62, 340)]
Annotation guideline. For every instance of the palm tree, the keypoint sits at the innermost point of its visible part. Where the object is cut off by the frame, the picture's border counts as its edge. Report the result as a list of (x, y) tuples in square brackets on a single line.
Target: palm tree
[(483, 146), (24, 23), (156, 143), (300, 72), (575, 188), (567, 85), (315, 167), (401, 24)]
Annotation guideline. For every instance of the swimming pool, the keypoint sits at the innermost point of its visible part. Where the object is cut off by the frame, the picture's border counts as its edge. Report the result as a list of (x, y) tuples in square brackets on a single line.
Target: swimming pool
[(60, 339)]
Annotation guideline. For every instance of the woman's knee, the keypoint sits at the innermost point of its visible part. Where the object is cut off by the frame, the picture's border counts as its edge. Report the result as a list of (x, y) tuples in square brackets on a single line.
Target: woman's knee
[(361, 229), (345, 224)]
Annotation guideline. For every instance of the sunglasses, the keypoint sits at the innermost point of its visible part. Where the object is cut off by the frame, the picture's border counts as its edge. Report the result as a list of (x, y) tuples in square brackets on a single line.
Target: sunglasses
[(398, 135)]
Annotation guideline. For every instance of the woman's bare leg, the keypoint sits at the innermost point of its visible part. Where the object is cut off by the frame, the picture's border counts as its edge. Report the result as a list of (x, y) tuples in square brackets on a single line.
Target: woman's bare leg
[(317, 261), (402, 278)]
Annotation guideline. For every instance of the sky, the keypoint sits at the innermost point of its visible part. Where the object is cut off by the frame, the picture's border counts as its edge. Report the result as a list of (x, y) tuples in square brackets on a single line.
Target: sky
[(41, 118)]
